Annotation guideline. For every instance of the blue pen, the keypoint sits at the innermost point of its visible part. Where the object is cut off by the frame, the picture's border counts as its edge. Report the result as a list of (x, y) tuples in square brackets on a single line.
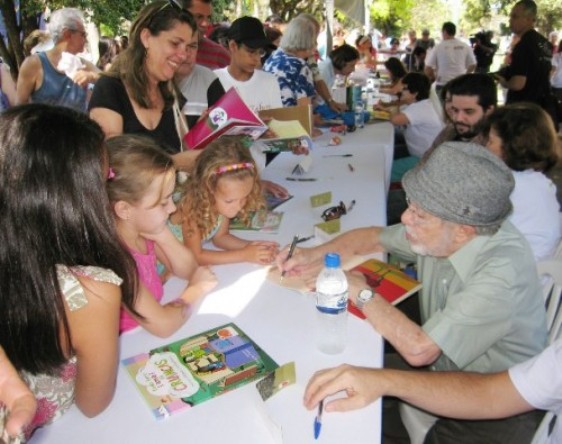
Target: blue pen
[(318, 420)]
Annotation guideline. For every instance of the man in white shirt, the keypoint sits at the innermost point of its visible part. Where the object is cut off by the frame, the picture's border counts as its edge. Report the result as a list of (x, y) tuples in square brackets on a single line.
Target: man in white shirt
[(450, 58), (421, 122), (246, 42), (536, 383)]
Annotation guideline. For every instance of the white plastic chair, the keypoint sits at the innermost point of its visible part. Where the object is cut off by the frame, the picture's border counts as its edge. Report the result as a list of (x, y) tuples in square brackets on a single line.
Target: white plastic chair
[(550, 272)]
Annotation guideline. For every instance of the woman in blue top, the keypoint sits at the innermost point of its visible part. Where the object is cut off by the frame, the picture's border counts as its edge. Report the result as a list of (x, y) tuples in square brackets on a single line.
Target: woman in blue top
[(289, 65)]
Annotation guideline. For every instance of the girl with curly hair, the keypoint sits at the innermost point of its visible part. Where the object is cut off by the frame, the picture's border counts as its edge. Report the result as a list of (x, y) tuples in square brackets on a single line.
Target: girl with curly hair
[(140, 188), (224, 184)]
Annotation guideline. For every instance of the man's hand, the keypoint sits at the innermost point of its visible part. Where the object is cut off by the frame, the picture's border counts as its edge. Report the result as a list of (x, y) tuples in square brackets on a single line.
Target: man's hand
[(360, 385), (84, 77), (337, 106)]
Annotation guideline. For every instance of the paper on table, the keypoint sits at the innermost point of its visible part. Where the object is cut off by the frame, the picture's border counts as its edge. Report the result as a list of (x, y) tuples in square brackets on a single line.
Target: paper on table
[(298, 284)]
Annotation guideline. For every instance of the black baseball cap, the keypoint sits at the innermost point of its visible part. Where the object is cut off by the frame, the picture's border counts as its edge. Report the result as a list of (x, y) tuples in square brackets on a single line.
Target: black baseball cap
[(249, 31)]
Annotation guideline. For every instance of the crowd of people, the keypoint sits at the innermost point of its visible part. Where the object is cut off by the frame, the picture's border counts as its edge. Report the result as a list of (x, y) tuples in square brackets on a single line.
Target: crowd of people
[(96, 214)]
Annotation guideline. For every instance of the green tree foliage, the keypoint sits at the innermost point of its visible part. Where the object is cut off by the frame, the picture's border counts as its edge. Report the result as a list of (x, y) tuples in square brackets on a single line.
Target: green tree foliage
[(288, 9), (110, 13), (392, 17), (477, 12)]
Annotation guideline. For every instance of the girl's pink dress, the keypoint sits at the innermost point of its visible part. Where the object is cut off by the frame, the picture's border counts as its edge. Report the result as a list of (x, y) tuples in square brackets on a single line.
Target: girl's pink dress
[(148, 276)]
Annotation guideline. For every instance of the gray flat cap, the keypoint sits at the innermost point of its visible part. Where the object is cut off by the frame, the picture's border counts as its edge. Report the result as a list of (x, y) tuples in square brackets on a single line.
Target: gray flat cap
[(462, 183)]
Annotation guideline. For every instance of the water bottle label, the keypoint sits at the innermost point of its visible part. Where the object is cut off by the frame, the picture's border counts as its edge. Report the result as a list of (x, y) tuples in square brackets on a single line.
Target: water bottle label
[(330, 310), (332, 304)]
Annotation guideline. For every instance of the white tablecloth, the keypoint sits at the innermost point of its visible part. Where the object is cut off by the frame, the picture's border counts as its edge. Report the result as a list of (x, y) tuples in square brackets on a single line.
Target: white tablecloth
[(279, 320)]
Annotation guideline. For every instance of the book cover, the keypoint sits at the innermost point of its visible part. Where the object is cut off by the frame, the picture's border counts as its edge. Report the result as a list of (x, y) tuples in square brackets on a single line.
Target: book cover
[(229, 116), (289, 136), (272, 202), (262, 220), (185, 373), (387, 281)]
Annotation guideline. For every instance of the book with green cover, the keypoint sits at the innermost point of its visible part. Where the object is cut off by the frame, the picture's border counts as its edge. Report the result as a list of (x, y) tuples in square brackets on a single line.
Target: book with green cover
[(185, 373)]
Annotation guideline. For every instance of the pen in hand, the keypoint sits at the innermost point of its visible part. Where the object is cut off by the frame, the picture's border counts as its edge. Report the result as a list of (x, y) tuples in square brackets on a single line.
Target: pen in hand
[(318, 420), (291, 251)]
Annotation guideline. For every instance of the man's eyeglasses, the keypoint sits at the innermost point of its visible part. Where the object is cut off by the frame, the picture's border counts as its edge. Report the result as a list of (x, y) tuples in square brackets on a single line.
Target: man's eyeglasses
[(336, 212)]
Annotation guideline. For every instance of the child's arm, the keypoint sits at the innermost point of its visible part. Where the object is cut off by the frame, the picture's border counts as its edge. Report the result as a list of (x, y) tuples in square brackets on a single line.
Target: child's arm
[(94, 331), (177, 259), (162, 320), (234, 248)]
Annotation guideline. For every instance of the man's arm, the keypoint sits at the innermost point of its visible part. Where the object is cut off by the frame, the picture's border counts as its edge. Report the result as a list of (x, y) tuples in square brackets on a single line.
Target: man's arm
[(307, 261), (324, 92), (459, 395), (407, 337), (30, 70), (429, 72), (515, 83)]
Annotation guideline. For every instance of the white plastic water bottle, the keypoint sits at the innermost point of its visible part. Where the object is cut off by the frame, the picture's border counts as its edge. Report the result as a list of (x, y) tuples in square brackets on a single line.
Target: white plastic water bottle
[(359, 117), (331, 306)]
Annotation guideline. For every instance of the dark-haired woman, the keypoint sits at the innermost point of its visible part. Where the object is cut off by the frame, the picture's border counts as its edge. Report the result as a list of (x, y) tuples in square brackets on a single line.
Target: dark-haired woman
[(63, 271), (137, 94), (523, 135)]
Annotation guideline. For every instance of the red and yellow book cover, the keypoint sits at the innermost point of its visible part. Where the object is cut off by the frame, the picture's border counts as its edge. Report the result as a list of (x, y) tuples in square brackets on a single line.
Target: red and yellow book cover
[(387, 281)]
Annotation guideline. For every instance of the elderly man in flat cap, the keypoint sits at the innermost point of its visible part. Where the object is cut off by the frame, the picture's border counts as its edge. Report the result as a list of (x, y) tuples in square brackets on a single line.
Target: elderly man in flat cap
[(481, 304)]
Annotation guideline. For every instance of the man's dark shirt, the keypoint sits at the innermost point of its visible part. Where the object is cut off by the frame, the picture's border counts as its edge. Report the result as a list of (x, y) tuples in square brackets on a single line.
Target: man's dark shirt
[(531, 58)]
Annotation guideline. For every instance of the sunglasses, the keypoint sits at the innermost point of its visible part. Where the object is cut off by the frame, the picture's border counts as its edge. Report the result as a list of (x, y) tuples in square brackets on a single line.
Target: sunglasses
[(336, 212), (175, 4)]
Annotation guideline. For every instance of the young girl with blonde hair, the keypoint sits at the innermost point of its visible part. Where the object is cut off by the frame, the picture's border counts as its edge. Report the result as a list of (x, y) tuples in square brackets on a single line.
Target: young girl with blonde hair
[(224, 184), (140, 191)]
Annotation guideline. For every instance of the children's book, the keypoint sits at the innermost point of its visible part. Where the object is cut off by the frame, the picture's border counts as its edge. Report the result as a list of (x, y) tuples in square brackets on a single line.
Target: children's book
[(228, 116), (262, 220), (185, 373), (387, 281), (292, 127), (272, 202)]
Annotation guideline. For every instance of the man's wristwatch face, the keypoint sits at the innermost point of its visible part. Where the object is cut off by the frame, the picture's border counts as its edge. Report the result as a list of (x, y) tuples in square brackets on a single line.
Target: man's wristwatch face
[(366, 295)]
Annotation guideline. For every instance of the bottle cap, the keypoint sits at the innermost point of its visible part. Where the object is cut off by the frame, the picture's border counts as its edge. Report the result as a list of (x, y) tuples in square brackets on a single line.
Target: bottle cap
[(332, 260)]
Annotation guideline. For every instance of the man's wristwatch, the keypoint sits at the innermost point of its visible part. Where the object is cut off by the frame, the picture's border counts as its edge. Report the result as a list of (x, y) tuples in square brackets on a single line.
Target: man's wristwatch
[(365, 296)]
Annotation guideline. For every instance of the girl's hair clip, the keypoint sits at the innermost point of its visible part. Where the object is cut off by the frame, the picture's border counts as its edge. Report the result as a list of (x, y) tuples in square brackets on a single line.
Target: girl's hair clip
[(235, 166), (110, 174)]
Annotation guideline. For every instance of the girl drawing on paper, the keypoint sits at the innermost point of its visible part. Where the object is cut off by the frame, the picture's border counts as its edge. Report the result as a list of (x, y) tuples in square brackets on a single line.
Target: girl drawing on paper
[(224, 184), (140, 190)]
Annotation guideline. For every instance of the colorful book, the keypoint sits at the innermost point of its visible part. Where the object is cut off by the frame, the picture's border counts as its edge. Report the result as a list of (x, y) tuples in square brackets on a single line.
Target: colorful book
[(387, 281), (229, 116), (289, 136), (272, 202), (185, 373), (262, 220)]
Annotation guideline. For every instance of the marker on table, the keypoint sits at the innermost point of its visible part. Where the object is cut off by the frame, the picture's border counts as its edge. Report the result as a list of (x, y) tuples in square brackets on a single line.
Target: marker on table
[(350, 167), (290, 255), (318, 420), (301, 179)]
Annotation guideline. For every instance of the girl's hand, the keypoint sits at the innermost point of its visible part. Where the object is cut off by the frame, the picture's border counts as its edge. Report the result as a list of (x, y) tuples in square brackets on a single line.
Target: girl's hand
[(201, 282), (260, 252), (17, 397)]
